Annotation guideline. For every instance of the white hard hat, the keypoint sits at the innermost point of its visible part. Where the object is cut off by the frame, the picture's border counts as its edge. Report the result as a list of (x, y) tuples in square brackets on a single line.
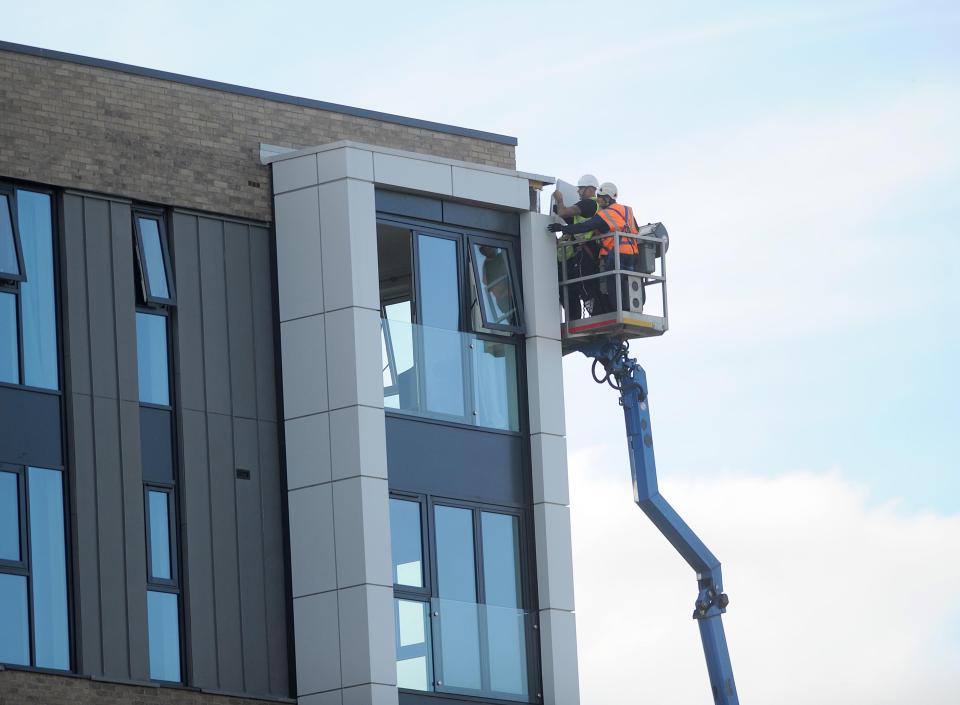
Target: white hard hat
[(608, 189), (588, 180)]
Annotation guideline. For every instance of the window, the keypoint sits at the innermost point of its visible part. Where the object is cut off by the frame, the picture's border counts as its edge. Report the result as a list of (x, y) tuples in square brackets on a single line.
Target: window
[(28, 321), (34, 625), (461, 626), (160, 496), (11, 255), (495, 288), (153, 258), (431, 298), (163, 599)]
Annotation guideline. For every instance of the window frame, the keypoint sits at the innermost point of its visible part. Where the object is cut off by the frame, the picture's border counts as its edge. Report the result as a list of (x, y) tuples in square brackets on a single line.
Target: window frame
[(426, 595), (171, 584), (146, 290), (11, 194), (21, 567), (487, 326), (24, 567)]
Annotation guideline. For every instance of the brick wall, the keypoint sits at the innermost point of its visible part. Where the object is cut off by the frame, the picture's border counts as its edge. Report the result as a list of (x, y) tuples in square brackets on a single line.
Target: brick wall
[(27, 688), (156, 140)]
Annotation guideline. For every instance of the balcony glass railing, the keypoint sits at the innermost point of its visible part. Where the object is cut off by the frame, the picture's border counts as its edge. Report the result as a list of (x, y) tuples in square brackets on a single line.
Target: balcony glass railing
[(449, 375)]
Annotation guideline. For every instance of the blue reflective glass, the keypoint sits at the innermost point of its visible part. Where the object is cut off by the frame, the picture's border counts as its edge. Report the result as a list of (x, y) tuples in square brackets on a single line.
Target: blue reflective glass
[(455, 562), (438, 273), (152, 358), (414, 660), (163, 632), (496, 285), (159, 513), (49, 569), (495, 384), (506, 651), (442, 371), (458, 665), (153, 258), (8, 248), (407, 543), (9, 349), (38, 302), (9, 517), (500, 534), (14, 637)]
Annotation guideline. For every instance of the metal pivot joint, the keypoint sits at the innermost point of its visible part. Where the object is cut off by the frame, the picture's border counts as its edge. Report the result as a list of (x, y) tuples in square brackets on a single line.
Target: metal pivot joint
[(624, 374)]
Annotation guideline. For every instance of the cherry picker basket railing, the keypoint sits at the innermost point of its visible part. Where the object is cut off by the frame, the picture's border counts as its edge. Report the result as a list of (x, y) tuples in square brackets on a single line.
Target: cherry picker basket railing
[(623, 296)]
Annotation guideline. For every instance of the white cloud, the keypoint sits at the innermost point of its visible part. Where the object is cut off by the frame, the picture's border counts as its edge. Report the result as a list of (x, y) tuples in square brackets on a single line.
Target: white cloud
[(832, 600)]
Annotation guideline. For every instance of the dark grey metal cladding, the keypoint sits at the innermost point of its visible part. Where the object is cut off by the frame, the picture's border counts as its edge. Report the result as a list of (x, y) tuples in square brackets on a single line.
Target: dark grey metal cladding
[(450, 461), (104, 438), (235, 588), (440, 211), (30, 427)]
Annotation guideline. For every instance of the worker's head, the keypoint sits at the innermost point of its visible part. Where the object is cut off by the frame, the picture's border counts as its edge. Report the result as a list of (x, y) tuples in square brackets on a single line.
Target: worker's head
[(587, 186), (607, 194)]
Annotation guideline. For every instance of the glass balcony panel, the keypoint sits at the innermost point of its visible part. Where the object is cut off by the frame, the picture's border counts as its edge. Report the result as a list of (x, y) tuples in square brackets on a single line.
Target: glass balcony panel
[(14, 637), (51, 631), (480, 650), (495, 384), (414, 663), (9, 517), (37, 296), (9, 346), (449, 375)]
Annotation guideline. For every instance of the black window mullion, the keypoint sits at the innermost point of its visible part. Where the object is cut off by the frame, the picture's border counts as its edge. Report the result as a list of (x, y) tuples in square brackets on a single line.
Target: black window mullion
[(11, 198)]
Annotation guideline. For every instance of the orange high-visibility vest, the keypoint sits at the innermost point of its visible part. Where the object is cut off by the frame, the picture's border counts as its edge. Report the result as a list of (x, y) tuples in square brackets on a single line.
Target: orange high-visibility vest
[(620, 219)]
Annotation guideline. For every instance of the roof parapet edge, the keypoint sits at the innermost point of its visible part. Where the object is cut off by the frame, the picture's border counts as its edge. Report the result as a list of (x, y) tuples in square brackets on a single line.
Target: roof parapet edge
[(257, 93)]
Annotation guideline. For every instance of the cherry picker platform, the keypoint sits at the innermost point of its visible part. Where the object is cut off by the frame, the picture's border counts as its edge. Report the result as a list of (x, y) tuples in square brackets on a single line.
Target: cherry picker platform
[(612, 314)]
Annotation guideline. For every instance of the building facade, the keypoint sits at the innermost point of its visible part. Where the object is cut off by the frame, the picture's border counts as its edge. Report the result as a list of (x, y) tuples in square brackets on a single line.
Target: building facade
[(281, 410)]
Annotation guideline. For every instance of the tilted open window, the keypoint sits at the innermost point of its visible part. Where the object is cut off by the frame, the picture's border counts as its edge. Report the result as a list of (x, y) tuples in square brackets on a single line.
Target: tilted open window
[(11, 253), (495, 287), (153, 258)]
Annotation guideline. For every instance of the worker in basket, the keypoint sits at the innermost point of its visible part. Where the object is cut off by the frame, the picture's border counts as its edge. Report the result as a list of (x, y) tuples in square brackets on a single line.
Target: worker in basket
[(611, 217), (581, 261)]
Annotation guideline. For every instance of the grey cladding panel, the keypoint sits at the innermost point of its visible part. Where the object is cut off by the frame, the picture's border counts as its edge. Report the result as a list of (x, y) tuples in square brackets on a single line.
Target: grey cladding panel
[(134, 532), (99, 258), (263, 317), (110, 537), (87, 557), (125, 300), (243, 379), (409, 205), (189, 317), (250, 538), (275, 588), (216, 355), (226, 577), (456, 462), (76, 339), (198, 551), (30, 428), (481, 218)]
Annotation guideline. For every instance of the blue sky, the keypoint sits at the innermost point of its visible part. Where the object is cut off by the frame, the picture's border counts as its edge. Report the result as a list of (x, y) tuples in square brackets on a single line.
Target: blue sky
[(806, 160)]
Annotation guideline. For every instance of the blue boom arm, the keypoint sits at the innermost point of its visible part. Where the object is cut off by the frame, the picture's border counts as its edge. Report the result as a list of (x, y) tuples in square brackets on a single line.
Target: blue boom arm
[(623, 373)]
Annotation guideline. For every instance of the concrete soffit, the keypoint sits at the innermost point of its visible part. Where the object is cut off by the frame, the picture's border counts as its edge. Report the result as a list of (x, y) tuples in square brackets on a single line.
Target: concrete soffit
[(409, 171)]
